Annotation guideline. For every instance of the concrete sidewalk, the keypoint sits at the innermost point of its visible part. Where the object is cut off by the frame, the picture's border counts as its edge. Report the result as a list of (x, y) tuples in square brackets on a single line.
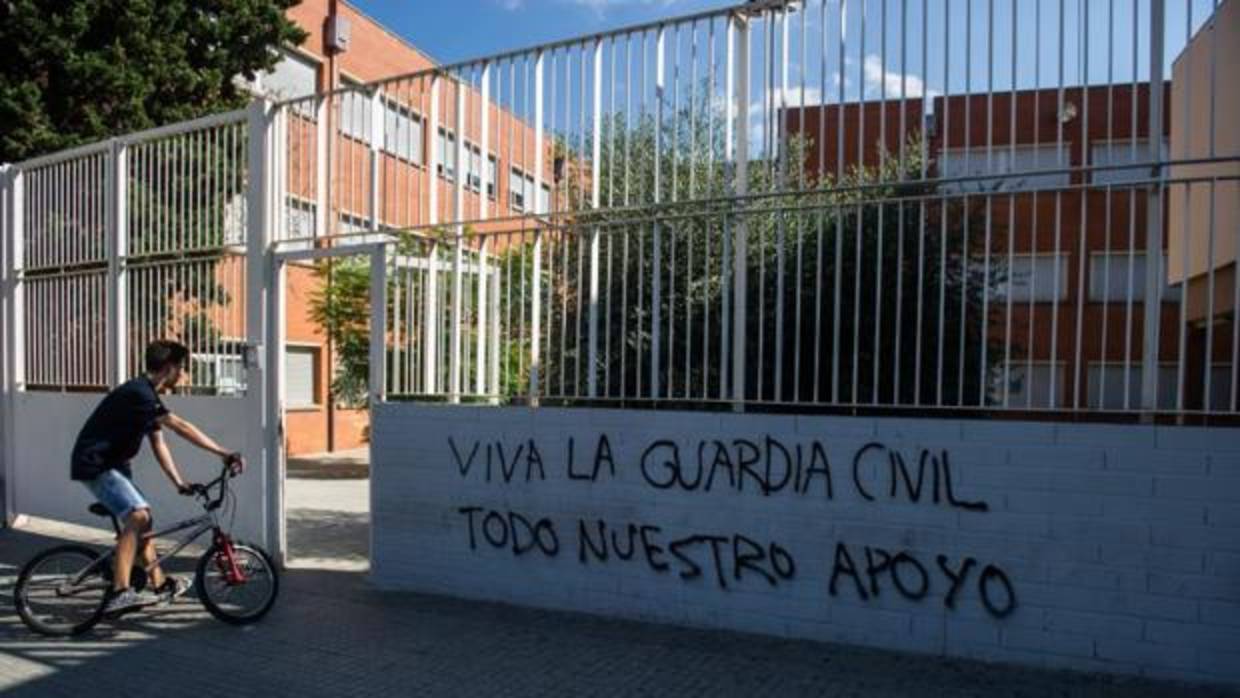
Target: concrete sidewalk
[(330, 634)]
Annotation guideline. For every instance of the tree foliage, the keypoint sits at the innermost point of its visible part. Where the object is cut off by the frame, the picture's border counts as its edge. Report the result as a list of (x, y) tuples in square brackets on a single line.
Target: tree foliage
[(83, 70)]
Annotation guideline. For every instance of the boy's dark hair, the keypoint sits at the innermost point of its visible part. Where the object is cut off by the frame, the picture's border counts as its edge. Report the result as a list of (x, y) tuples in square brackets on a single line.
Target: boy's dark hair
[(162, 352)]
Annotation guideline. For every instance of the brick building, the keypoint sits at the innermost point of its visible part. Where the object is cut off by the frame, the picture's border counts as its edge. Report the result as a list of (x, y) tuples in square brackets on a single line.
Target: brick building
[(1081, 223), (325, 64)]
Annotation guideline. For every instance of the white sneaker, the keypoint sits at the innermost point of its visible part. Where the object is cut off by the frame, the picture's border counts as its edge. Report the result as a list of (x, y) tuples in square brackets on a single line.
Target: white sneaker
[(128, 600), (172, 587)]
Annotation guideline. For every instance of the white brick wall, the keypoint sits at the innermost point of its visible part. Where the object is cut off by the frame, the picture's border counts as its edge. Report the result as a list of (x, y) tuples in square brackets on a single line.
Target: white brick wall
[(1121, 544)]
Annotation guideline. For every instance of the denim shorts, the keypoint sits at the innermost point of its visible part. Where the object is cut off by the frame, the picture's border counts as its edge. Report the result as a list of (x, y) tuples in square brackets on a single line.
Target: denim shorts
[(117, 493)]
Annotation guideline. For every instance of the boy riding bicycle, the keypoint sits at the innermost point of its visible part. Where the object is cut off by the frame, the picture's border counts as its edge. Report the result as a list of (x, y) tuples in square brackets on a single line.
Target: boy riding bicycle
[(111, 437)]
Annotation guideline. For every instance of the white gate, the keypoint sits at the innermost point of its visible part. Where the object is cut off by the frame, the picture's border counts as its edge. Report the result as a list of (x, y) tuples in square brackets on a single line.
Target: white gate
[(108, 246)]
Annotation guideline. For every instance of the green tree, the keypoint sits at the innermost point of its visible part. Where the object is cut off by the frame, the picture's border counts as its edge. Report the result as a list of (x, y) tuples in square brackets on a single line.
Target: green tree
[(867, 228), (83, 70)]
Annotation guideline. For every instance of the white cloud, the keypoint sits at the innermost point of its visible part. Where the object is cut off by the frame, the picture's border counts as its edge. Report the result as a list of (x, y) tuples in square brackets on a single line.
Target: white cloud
[(897, 84), (600, 7)]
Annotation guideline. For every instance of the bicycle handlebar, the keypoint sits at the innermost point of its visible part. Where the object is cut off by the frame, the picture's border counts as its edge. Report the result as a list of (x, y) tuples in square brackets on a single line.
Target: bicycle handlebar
[(228, 472)]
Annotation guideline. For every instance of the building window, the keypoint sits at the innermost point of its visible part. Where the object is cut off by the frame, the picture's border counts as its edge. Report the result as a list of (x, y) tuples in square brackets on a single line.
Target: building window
[(354, 110), (1106, 385), (298, 219), (1020, 164), (222, 374), (473, 172), (446, 144), (492, 173), (402, 132), (1110, 274), (300, 364), (1032, 277), (1123, 152), (516, 189), (1029, 385)]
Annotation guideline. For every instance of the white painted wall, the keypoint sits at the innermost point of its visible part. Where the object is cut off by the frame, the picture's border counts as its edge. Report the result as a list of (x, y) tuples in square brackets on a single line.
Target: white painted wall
[(48, 423), (1121, 544)]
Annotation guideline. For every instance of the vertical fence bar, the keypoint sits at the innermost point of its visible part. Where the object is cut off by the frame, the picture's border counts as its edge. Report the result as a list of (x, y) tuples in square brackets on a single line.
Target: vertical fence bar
[(595, 193), (264, 325), (378, 323), (484, 338), (458, 210), (536, 276), (375, 143), (740, 187), (117, 227), (11, 336), (656, 272), (1153, 220)]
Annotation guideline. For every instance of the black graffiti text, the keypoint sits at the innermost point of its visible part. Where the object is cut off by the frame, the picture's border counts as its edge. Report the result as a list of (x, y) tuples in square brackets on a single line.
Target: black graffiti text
[(768, 466), (496, 456), (727, 559), (905, 482), (873, 569)]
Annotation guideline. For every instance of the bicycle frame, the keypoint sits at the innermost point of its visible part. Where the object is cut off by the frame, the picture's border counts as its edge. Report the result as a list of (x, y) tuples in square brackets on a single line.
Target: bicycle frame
[(201, 524)]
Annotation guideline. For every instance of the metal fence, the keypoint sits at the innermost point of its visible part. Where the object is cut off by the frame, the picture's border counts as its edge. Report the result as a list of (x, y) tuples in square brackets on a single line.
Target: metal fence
[(1025, 206), (121, 242)]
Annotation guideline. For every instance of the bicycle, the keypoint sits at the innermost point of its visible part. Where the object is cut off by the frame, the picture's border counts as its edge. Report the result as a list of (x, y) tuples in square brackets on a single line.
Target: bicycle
[(61, 591)]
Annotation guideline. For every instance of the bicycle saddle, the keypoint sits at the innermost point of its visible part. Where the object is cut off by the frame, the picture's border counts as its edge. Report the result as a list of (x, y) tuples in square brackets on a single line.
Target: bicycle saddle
[(99, 510)]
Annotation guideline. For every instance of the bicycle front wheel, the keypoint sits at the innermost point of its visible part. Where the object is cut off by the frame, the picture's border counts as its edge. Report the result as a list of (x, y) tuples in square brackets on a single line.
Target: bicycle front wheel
[(62, 590), (237, 601)]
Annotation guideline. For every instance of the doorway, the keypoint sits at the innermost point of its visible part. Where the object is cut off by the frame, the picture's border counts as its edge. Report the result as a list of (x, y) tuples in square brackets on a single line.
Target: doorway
[(327, 370)]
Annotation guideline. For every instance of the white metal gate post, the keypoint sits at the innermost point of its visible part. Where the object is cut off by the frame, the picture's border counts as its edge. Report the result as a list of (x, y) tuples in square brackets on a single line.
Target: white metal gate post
[(378, 326), (458, 214), (536, 276), (15, 345), (118, 248), (1152, 303), (6, 403), (430, 312), (481, 365), (740, 187), (263, 311), (595, 193)]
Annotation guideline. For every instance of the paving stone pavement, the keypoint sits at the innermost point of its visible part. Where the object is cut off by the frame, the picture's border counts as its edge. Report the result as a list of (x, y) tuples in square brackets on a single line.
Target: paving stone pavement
[(331, 634)]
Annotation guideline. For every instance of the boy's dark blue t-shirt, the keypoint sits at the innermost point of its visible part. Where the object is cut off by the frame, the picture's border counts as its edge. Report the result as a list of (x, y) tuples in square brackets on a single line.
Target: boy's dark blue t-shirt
[(113, 433)]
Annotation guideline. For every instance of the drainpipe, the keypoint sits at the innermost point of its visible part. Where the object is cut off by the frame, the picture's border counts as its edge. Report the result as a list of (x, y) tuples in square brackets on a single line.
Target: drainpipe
[(333, 79)]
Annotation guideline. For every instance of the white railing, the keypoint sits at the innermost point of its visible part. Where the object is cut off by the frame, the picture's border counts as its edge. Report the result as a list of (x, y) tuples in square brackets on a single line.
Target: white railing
[(832, 203), (125, 241)]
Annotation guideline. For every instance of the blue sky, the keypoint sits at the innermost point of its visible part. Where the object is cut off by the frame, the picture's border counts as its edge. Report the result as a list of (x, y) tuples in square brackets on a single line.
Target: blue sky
[(463, 29), (454, 31)]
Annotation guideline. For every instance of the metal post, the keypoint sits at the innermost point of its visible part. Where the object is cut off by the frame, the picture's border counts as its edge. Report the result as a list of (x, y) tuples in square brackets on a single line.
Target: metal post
[(118, 228), (536, 280), (264, 392), (376, 156), (1153, 227), (378, 324), (596, 160), (430, 365), (10, 336), (740, 187), (656, 252), (481, 371), (458, 214), (322, 199)]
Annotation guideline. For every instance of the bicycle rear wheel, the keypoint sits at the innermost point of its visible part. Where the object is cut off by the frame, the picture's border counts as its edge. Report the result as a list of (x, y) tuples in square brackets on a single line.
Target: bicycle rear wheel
[(49, 603), (237, 603)]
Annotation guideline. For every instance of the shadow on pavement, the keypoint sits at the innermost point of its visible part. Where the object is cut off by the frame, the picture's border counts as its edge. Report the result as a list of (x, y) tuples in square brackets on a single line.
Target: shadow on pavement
[(329, 534), (332, 634)]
